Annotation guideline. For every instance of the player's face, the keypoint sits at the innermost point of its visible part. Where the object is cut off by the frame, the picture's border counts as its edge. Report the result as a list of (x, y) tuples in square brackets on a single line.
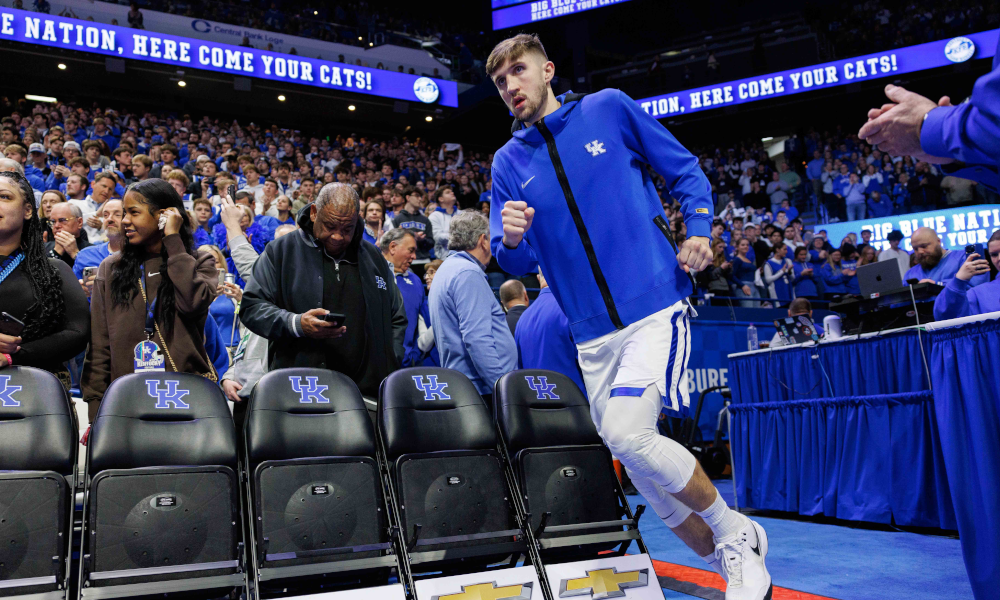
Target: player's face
[(523, 84)]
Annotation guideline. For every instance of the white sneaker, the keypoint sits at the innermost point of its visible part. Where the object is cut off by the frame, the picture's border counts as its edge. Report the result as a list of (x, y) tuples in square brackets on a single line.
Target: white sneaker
[(742, 558)]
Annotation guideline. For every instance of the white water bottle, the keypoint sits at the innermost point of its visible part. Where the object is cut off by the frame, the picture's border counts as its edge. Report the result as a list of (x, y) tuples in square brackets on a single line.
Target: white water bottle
[(752, 343)]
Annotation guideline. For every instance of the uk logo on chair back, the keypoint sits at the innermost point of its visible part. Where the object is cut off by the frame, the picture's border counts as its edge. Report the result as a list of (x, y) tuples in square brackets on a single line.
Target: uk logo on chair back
[(169, 397), (431, 388), (7, 393), (311, 392), (542, 388)]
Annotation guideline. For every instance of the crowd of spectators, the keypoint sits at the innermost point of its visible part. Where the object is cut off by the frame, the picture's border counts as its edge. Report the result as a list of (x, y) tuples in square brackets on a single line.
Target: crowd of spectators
[(246, 210), (877, 25)]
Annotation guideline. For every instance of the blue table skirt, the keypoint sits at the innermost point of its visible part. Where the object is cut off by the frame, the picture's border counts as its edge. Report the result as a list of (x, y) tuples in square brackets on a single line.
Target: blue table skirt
[(965, 370), (864, 458)]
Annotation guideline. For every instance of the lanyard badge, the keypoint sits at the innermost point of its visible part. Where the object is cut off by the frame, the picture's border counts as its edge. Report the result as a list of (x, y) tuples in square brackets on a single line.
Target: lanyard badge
[(147, 355)]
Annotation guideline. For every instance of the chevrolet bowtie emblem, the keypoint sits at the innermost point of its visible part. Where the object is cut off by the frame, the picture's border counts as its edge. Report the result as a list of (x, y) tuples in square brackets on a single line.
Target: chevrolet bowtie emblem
[(490, 591), (604, 583)]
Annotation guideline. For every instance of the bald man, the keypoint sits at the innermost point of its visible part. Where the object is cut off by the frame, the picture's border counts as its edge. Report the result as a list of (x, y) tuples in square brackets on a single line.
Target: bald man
[(935, 264), (514, 298), (324, 268)]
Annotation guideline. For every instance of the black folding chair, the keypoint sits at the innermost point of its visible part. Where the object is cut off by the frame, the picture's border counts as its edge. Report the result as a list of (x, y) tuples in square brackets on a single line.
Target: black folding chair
[(319, 517), (563, 474), (161, 506), (38, 449), (445, 475)]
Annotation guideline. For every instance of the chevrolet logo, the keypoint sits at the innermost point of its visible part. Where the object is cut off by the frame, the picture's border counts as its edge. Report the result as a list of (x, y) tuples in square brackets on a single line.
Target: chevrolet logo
[(490, 591), (604, 583)]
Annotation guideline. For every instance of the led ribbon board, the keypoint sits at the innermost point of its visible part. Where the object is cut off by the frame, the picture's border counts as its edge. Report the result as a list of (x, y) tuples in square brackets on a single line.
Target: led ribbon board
[(505, 16), (839, 72), (112, 40), (957, 227)]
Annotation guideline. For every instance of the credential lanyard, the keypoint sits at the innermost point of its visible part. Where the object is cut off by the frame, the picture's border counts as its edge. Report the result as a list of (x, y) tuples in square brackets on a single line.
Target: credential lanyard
[(150, 306)]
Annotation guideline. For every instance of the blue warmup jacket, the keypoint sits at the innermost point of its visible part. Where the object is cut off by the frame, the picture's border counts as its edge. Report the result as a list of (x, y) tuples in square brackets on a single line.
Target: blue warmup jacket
[(599, 230), (969, 132)]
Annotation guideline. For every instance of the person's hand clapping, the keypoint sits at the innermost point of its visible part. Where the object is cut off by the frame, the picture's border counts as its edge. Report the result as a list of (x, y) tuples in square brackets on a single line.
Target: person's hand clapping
[(974, 265), (66, 244), (318, 329), (695, 254), (895, 126), (174, 221), (517, 217)]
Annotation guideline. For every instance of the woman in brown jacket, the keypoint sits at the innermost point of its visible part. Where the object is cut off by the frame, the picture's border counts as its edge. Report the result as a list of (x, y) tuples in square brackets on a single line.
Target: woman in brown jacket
[(150, 300)]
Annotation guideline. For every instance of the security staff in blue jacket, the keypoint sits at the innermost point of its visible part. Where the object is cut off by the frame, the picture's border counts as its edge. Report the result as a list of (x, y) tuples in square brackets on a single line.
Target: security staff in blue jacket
[(572, 194), (963, 138)]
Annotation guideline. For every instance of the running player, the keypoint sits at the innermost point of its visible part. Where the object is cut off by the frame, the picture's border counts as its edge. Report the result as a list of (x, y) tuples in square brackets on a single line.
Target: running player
[(573, 194)]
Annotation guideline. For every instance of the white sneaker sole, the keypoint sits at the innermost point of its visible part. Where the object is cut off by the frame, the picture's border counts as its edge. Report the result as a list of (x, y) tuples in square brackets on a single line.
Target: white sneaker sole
[(762, 545)]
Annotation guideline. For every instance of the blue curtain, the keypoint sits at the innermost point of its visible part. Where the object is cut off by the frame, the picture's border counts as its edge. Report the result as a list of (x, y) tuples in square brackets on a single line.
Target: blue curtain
[(886, 364), (964, 367), (865, 458)]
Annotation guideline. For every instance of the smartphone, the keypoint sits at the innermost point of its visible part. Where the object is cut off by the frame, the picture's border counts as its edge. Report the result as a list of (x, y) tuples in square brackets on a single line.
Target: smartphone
[(970, 249), (336, 318), (231, 192), (10, 325), (222, 276), (89, 272), (230, 278)]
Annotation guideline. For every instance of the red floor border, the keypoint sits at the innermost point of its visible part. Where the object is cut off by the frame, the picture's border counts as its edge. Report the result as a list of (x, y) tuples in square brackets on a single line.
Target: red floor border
[(710, 579)]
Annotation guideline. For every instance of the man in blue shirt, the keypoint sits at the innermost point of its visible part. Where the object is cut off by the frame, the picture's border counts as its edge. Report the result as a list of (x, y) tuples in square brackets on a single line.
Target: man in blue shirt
[(470, 328), (544, 339), (962, 138), (934, 263), (814, 171), (626, 302), (92, 256), (878, 205), (399, 247)]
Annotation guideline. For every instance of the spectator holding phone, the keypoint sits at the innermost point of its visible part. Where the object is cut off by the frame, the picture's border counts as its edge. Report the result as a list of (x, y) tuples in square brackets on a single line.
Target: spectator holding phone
[(960, 297), (45, 320), (805, 281), (324, 268), (151, 300)]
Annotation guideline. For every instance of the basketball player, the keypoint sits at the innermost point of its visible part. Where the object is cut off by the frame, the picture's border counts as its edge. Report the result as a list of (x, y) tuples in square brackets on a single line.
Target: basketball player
[(572, 193)]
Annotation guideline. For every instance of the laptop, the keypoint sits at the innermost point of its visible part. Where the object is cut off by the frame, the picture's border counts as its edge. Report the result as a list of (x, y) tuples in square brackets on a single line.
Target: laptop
[(796, 330), (877, 278)]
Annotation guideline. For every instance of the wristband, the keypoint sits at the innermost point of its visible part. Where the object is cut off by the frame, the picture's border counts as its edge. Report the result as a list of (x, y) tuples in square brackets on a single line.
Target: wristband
[(9, 360)]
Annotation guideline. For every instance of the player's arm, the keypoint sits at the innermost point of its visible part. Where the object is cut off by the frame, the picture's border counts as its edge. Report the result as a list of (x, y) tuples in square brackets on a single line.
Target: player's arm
[(652, 144), (517, 258)]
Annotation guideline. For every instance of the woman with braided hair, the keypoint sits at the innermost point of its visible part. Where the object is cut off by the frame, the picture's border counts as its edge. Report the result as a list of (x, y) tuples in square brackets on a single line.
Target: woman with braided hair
[(39, 292)]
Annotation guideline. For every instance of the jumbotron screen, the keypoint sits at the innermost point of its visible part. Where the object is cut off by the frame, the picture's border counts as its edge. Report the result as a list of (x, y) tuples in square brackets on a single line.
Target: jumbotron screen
[(511, 13)]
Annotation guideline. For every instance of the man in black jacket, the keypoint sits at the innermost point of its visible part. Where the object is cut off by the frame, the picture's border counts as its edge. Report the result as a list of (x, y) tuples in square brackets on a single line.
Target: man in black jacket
[(325, 267)]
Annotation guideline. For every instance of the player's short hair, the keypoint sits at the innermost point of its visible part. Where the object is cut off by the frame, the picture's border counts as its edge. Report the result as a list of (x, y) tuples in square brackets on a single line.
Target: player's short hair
[(513, 49)]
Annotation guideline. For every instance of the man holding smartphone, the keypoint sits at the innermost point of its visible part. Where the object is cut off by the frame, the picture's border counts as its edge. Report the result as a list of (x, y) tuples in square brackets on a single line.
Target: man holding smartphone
[(325, 300), (91, 257)]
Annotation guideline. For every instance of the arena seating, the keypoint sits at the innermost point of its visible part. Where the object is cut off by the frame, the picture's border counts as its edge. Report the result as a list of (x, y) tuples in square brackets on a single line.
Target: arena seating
[(564, 475), (38, 446), (162, 511), (445, 473), (315, 492)]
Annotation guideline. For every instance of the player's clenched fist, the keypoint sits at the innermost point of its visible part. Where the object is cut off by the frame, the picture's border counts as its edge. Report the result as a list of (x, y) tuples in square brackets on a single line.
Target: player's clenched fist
[(516, 222), (695, 254)]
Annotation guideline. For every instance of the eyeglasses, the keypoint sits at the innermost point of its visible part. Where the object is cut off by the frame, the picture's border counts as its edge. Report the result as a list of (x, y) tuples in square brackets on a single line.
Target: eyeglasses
[(64, 220)]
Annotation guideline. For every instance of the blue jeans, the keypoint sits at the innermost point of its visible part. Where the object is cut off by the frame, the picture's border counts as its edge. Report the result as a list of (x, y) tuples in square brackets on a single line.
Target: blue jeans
[(855, 212)]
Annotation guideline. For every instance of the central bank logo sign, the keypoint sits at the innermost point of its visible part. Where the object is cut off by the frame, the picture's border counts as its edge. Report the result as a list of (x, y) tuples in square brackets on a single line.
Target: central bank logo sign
[(309, 392), (431, 388), (168, 397), (201, 26), (426, 90), (959, 49), (542, 388), (7, 393), (603, 583), (490, 591)]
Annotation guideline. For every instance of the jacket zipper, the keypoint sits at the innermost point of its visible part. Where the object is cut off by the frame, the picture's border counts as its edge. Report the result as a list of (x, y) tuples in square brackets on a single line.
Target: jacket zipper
[(581, 228)]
